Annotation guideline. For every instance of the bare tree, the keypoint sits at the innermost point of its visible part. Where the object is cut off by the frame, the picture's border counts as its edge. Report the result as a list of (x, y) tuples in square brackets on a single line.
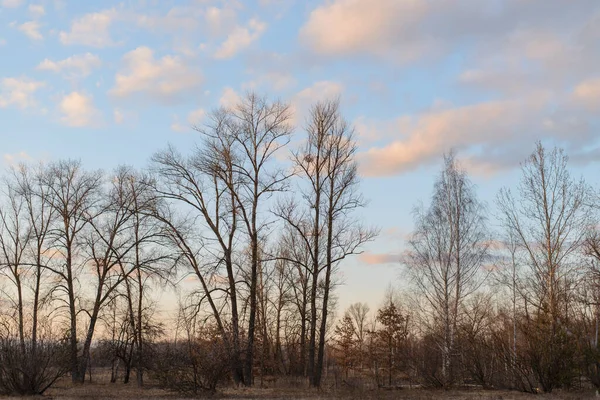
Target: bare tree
[(35, 360), (549, 219), (327, 168), (203, 233), (227, 181), (113, 247), (239, 150), (73, 195), (446, 254), (359, 312)]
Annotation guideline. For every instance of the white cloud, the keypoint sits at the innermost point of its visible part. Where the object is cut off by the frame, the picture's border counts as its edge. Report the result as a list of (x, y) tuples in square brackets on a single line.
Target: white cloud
[(2, 42), (31, 29), (357, 26), (587, 94), (124, 116), (12, 3), (229, 98), (177, 126), (18, 92), (15, 159), (91, 30), (491, 136), (36, 10), (319, 91), (78, 110), (118, 116), (164, 79), (79, 65), (411, 30), (240, 38), (195, 117), (220, 21), (175, 19), (273, 80)]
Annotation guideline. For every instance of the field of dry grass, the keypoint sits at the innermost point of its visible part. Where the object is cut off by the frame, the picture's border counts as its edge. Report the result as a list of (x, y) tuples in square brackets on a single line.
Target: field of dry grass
[(66, 391), (290, 388)]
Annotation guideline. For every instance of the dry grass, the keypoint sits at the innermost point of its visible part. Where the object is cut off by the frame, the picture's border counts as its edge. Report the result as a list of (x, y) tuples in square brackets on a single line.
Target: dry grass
[(101, 389), (121, 391)]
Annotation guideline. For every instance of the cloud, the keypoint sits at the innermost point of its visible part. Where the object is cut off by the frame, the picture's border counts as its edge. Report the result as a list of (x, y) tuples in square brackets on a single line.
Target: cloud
[(195, 117), (91, 30), (164, 79), (240, 38), (16, 158), (318, 91), (78, 110), (229, 98), (410, 30), (273, 80), (18, 92), (422, 139), (118, 116), (587, 93), (489, 136), (176, 18), (36, 10), (343, 27), (216, 21), (31, 29), (177, 126), (11, 3), (122, 116), (220, 21), (374, 259), (76, 66)]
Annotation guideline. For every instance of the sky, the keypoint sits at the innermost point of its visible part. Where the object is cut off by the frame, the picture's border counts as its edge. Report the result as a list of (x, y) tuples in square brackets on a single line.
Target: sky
[(113, 82)]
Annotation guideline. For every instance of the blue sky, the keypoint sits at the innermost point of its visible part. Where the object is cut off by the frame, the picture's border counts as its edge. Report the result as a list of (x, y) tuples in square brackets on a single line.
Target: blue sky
[(112, 82)]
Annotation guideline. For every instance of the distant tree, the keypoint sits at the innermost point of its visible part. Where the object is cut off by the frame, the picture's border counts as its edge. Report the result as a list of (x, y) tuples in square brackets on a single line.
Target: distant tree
[(358, 312), (345, 342), (391, 335)]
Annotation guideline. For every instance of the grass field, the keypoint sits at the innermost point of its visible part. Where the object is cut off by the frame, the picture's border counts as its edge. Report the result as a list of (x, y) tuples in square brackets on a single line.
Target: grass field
[(290, 388), (65, 390)]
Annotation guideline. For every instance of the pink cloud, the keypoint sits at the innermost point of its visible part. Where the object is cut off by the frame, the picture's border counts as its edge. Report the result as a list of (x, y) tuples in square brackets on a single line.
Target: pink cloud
[(423, 138), (587, 93), (374, 259)]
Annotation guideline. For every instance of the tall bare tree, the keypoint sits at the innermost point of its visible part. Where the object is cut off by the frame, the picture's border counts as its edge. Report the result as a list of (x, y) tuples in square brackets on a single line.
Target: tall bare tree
[(329, 182), (446, 254), (549, 218), (73, 195), (227, 181), (201, 224), (240, 150)]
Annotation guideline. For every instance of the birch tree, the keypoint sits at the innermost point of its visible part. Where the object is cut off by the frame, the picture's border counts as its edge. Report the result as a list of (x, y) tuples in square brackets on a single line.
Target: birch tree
[(445, 255), (549, 217)]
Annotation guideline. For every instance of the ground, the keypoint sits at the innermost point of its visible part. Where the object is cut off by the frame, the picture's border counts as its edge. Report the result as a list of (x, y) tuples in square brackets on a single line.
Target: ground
[(67, 391)]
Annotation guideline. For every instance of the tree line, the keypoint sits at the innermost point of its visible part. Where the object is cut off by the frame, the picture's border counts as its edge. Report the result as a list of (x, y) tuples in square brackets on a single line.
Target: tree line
[(258, 228), (82, 251), (497, 299)]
